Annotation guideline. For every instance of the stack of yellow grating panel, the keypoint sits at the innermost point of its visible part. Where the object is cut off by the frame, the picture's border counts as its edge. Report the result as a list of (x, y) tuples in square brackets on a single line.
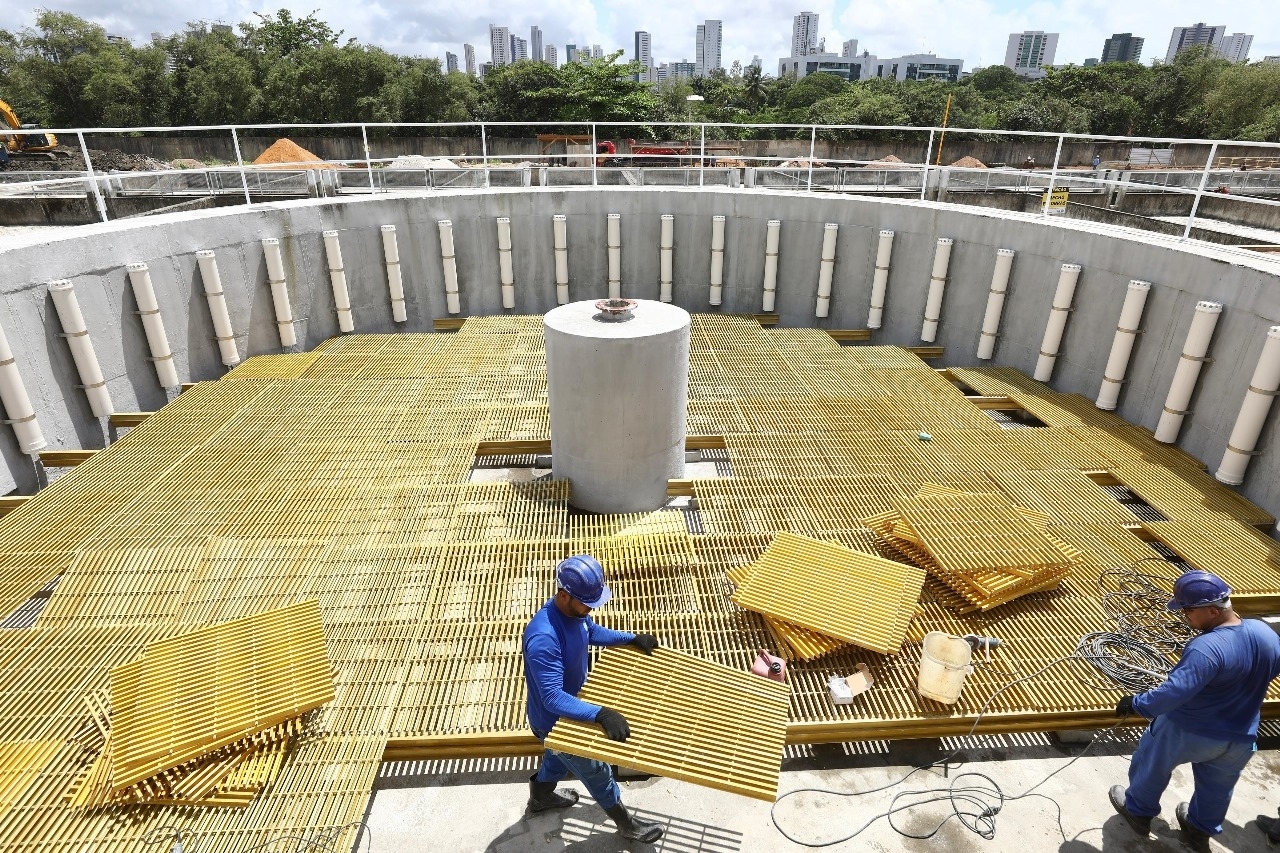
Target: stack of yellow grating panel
[(690, 719), (204, 718), (985, 548), (841, 595)]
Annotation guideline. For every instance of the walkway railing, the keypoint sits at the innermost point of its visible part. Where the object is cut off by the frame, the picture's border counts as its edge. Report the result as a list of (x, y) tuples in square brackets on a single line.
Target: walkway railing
[(806, 158)]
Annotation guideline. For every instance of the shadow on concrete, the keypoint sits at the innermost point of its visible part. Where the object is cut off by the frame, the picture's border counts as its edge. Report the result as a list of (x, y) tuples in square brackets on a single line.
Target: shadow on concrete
[(586, 829), (1115, 836)]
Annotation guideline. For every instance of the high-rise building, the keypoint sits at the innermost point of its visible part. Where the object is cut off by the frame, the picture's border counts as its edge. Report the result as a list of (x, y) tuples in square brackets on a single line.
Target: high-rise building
[(1272, 60), (683, 68), (1122, 47), (469, 57), (552, 56), (1235, 48), (756, 62), (450, 62), (485, 68), (850, 48), (519, 48), (644, 56), (804, 34), (707, 48), (596, 52), (499, 46), (1028, 52), (535, 43), (570, 53), (1198, 35)]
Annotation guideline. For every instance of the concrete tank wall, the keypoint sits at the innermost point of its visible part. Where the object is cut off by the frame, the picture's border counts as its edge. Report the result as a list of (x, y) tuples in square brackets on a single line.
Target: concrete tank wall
[(94, 258)]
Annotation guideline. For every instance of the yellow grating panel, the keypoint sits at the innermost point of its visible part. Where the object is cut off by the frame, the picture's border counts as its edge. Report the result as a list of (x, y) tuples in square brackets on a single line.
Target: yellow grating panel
[(288, 366), (198, 692), (858, 598), (690, 719), (20, 761), (792, 641)]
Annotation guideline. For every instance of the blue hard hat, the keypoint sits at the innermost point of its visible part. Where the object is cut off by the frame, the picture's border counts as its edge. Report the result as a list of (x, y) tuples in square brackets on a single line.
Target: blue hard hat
[(1198, 588), (582, 577)]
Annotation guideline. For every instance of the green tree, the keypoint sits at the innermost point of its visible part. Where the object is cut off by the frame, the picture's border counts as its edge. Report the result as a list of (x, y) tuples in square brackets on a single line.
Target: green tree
[(284, 35), (755, 89)]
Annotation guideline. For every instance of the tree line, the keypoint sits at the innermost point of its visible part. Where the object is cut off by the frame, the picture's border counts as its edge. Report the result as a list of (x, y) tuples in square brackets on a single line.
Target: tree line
[(64, 72)]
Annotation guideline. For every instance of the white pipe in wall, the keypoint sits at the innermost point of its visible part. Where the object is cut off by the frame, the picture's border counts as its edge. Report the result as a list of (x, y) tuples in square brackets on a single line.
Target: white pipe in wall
[(666, 243), (615, 255), (1122, 346), (279, 292), (218, 307), (77, 335), (879, 284), (149, 310), (827, 268), (17, 405), (717, 259), (395, 284), (338, 281), (771, 234), (1184, 378), (450, 266), (937, 285), (1253, 412), (560, 231), (505, 271), (995, 303), (1058, 314)]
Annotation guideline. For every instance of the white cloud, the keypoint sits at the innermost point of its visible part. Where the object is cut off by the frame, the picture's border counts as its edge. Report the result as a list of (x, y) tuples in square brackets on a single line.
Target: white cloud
[(974, 31)]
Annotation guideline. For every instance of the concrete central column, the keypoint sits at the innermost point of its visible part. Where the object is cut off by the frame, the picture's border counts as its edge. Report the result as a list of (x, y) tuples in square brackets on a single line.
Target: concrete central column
[(618, 384)]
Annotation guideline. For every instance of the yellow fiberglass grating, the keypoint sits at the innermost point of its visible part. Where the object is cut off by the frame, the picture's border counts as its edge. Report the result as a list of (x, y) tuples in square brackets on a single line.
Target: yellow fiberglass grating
[(858, 598), (1186, 493), (1066, 495), (20, 762), (287, 366), (198, 692), (792, 640), (1248, 560), (690, 719)]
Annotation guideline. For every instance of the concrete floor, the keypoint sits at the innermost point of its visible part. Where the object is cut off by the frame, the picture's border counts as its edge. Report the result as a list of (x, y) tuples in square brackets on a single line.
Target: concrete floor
[(472, 806)]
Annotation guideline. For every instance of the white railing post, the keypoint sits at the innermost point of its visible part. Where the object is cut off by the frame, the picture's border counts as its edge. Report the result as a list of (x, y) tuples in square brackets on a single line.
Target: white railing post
[(93, 178), (244, 180), (593, 154), (368, 161), (484, 154), (1053, 177), (813, 147), (1204, 179), (702, 155), (924, 176)]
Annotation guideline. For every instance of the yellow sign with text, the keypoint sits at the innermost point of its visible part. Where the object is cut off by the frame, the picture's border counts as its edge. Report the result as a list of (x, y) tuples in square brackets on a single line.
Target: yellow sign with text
[(1057, 202)]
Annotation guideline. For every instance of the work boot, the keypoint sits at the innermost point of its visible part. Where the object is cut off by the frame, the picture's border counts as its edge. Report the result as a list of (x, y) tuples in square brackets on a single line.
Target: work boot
[(630, 828), (1140, 825), (1270, 826), (543, 796), (1196, 838)]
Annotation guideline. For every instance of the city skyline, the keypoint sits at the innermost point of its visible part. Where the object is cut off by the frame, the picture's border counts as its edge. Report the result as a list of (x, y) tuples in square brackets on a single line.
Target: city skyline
[(749, 28)]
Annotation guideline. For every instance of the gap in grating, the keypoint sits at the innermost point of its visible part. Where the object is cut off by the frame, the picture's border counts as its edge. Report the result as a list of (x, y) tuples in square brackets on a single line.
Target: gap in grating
[(1133, 502), (514, 460), (1014, 418), (456, 766), (29, 611)]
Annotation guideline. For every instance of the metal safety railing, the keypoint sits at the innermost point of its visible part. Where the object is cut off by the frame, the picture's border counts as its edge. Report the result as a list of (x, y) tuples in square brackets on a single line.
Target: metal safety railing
[(807, 158)]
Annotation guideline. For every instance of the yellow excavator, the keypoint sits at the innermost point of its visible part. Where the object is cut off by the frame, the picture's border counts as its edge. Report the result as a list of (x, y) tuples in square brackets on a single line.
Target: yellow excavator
[(42, 146)]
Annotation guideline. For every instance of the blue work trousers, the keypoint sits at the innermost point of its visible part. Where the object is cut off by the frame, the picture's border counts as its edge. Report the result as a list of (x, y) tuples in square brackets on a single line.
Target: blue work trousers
[(596, 775), (1215, 764)]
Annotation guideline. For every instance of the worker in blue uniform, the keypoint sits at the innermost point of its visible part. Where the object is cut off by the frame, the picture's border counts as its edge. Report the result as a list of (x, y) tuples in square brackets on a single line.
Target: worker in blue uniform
[(555, 668), (1206, 714)]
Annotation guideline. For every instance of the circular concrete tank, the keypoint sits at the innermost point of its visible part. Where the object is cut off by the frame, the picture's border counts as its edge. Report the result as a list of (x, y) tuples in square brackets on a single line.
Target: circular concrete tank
[(619, 392)]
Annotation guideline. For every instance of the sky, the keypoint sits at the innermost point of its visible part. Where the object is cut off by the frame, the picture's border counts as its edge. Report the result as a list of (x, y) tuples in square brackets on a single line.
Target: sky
[(974, 30)]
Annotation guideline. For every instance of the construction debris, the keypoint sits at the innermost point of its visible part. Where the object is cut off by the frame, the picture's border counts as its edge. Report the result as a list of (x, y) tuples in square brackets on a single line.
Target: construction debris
[(889, 161), (206, 717), (969, 163), (690, 719), (417, 161), (984, 548), (802, 164)]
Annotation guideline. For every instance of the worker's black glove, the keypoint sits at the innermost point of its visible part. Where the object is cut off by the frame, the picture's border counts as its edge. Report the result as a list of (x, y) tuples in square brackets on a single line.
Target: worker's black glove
[(645, 643), (1124, 707), (614, 724)]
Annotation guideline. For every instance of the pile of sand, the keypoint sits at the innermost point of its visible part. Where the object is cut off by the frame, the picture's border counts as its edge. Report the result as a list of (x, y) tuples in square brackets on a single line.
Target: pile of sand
[(887, 162), (803, 164), (970, 163), (287, 154)]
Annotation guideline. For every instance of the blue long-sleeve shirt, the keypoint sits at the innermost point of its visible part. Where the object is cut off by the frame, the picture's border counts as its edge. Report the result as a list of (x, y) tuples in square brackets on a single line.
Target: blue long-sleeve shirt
[(555, 665), (1217, 689)]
